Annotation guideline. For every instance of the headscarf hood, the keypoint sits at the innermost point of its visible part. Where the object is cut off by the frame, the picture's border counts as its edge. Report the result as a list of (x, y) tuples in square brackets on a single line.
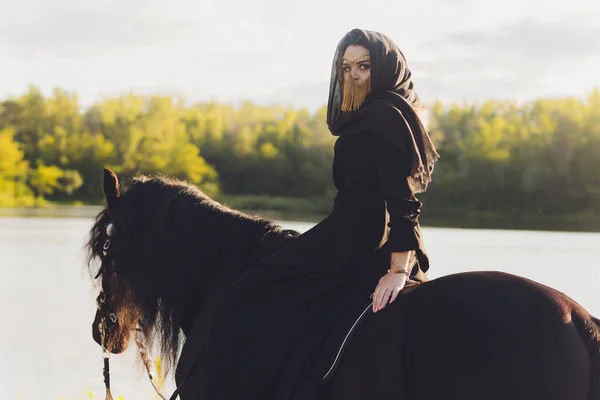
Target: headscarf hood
[(391, 81)]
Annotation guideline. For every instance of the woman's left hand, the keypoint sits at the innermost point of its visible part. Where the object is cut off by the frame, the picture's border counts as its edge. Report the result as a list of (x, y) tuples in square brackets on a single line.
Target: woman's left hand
[(387, 290)]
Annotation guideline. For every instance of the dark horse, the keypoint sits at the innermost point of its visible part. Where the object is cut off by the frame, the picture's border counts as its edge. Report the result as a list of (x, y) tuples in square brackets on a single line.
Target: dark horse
[(170, 251)]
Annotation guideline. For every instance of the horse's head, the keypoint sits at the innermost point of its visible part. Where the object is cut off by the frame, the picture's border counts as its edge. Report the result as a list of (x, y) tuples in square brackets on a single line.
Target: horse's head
[(163, 247), (117, 314), (139, 242)]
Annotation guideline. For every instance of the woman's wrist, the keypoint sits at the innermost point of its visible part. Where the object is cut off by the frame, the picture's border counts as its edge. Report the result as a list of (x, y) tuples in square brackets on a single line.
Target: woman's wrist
[(399, 262), (397, 268)]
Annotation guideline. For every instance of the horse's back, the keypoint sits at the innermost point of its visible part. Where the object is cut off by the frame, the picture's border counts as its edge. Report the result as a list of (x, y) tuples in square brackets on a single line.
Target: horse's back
[(473, 335), (489, 314), (498, 297)]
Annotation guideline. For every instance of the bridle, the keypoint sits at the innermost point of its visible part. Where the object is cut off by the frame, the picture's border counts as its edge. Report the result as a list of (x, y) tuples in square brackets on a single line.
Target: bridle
[(108, 320)]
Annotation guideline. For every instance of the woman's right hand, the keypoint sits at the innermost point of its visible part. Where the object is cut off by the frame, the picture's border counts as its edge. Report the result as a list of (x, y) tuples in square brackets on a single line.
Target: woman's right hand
[(387, 289)]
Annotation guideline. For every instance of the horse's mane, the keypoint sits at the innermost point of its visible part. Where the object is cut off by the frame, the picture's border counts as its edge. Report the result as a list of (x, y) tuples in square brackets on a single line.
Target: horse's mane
[(172, 240)]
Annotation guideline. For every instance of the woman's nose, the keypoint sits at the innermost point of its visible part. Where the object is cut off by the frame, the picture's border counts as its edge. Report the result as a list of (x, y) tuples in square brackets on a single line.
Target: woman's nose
[(354, 74)]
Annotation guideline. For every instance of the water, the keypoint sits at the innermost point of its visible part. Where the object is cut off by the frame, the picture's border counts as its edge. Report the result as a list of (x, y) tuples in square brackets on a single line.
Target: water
[(47, 297)]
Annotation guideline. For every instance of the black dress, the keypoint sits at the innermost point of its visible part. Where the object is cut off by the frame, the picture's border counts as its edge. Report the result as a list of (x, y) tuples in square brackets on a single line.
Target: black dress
[(272, 320)]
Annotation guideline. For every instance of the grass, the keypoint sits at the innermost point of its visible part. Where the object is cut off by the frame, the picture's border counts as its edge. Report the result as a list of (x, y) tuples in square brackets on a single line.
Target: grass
[(159, 381), (278, 207), (313, 210), (575, 222)]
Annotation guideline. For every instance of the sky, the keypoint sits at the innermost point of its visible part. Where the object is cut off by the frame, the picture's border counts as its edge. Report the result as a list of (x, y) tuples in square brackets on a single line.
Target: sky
[(279, 51)]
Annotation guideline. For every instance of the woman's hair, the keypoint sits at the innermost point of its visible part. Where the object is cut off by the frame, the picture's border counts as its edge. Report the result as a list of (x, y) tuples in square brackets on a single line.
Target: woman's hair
[(358, 41)]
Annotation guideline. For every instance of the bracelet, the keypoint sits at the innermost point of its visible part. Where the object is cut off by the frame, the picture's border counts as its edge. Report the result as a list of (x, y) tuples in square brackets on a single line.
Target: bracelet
[(401, 271)]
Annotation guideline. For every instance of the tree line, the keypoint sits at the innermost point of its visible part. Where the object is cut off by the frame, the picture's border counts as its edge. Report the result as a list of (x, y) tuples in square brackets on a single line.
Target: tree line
[(539, 157)]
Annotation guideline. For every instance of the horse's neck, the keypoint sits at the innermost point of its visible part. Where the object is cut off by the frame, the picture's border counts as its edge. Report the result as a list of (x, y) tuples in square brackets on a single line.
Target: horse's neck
[(247, 245)]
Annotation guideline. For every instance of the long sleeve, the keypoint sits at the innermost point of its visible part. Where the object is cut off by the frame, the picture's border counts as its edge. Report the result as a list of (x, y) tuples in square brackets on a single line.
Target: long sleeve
[(393, 167)]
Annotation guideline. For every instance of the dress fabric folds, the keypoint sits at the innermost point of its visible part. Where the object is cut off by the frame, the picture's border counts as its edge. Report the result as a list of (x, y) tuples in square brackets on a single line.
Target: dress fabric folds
[(272, 322)]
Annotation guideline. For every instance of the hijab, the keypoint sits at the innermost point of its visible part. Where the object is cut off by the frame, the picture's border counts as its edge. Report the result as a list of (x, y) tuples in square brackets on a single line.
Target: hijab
[(392, 85)]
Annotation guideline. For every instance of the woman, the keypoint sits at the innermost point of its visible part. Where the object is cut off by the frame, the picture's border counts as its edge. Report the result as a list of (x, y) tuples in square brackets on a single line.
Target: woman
[(271, 322)]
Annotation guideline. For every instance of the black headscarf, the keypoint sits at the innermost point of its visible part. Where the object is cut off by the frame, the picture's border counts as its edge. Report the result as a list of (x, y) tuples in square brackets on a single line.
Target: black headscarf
[(391, 83)]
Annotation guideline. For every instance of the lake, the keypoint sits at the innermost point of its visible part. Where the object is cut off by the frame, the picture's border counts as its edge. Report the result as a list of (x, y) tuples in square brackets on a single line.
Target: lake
[(47, 297)]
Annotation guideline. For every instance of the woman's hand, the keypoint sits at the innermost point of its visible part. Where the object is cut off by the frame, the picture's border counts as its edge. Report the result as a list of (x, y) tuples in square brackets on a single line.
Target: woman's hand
[(387, 290)]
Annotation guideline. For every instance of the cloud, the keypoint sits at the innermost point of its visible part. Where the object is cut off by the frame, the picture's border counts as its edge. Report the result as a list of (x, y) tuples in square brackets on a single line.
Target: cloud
[(534, 39), (263, 53), (81, 30), (520, 60)]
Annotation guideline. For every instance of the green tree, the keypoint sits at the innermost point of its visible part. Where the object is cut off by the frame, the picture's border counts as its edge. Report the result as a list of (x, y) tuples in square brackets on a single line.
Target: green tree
[(13, 190)]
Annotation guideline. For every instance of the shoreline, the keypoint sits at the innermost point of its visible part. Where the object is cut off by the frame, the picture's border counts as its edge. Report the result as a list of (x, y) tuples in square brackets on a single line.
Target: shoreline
[(307, 210)]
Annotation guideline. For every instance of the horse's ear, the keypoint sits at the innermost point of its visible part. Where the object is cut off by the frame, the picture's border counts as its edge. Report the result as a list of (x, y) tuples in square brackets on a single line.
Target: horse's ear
[(110, 187)]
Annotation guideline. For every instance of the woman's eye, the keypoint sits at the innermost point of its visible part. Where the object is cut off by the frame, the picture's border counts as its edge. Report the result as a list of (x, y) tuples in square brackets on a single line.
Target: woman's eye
[(365, 67), (346, 69)]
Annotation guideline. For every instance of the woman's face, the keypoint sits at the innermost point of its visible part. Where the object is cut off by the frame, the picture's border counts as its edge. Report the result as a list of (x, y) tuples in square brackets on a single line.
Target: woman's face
[(356, 64)]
